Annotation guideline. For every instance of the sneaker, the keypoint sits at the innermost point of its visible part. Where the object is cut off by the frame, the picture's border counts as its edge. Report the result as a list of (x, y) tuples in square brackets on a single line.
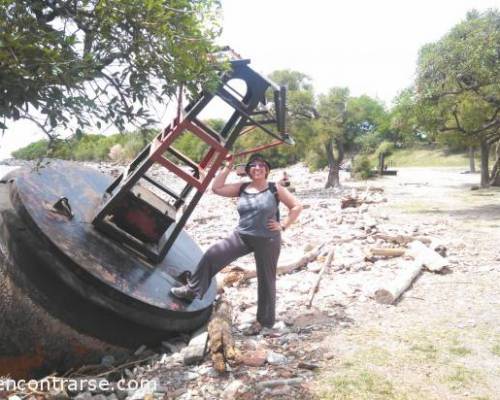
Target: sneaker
[(253, 329), (184, 277), (183, 293)]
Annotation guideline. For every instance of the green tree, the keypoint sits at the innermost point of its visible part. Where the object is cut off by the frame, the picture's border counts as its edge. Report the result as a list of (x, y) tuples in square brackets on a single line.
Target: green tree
[(345, 124), (332, 130), (66, 61), (301, 110), (368, 124), (458, 83), (405, 116)]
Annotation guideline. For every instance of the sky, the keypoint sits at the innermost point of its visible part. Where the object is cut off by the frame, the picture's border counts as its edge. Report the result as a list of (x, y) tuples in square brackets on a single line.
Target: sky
[(369, 46)]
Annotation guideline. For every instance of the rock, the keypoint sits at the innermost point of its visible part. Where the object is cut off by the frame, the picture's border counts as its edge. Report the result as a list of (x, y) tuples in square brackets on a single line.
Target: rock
[(145, 390), (140, 350), (121, 393), (307, 365), (177, 394), (279, 391), (108, 361), (84, 396), (99, 397), (254, 358), (280, 326), (172, 347), (290, 338), (279, 382), (55, 394), (195, 351), (128, 373), (191, 376), (231, 390), (176, 358), (276, 358)]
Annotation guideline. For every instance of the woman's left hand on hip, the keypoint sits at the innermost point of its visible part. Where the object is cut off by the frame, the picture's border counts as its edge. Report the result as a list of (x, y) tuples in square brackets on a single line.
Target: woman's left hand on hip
[(273, 225)]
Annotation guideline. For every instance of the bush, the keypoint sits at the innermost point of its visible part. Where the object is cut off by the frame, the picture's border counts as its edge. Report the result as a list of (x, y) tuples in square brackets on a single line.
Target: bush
[(32, 151), (362, 168), (116, 153), (316, 160), (87, 147), (385, 149)]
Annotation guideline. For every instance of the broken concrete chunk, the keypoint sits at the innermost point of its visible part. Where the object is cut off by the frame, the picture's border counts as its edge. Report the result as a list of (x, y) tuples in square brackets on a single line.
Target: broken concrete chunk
[(195, 351)]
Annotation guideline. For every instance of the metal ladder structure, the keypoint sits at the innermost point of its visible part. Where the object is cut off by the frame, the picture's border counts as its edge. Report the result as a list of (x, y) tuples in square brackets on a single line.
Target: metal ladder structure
[(149, 224)]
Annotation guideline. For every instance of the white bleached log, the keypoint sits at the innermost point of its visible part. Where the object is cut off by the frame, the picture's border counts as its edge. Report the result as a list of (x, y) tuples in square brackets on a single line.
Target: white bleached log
[(387, 252), (428, 257), (394, 289), (402, 239), (326, 266)]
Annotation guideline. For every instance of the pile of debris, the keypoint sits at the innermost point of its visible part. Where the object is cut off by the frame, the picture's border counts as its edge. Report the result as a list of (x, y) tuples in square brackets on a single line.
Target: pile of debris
[(344, 249)]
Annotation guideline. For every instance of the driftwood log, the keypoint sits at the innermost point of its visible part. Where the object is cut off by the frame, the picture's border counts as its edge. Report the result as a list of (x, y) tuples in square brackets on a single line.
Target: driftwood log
[(220, 338), (355, 200), (238, 275), (429, 258), (386, 252), (423, 256), (402, 240), (349, 201), (391, 292), (326, 266), (375, 189)]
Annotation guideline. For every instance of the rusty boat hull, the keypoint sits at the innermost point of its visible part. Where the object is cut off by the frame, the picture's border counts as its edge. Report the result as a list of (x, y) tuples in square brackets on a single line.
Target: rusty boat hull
[(68, 293)]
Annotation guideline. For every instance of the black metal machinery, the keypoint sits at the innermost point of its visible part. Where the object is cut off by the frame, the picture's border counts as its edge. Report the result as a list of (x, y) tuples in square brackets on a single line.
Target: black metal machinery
[(148, 223), (82, 273)]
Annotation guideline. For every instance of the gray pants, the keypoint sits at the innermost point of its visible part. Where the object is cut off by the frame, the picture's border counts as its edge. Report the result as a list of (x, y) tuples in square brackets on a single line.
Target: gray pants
[(266, 252)]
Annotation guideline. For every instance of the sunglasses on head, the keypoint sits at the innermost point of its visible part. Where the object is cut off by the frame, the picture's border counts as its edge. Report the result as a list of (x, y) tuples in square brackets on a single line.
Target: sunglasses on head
[(257, 165)]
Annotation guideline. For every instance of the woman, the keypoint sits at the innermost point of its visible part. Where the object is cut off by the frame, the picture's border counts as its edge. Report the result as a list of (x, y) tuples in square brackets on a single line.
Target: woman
[(258, 231)]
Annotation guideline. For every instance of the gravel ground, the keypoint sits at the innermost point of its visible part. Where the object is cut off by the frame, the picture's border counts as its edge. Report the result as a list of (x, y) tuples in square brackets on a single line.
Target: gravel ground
[(441, 340)]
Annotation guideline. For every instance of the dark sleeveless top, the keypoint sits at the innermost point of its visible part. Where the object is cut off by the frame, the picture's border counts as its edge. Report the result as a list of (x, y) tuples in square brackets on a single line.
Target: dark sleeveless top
[(255, 210)]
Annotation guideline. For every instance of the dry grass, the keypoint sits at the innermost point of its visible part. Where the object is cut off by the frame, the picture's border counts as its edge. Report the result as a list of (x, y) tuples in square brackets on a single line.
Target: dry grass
[(408, 364)]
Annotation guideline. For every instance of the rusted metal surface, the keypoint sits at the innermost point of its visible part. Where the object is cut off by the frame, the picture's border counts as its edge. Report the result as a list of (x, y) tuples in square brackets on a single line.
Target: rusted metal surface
[(69, 293)]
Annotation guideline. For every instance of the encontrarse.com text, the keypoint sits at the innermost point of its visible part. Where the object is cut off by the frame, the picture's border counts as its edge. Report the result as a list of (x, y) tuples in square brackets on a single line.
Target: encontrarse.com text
[(77, 385)]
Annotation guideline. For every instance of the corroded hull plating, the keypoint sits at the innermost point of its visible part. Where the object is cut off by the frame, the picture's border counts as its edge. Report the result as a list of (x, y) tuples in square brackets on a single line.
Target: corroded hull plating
[(67, 293)]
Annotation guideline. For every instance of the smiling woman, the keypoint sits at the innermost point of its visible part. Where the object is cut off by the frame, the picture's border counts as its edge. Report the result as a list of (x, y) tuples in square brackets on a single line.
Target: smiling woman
[(258, 232)]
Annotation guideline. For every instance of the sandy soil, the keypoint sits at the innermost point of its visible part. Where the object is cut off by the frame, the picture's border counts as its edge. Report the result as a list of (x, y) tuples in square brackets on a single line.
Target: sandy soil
[(442, 339)]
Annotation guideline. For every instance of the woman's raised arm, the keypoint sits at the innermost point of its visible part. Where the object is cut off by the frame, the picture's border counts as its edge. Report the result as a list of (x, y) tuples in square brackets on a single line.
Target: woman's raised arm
[(220, 187)]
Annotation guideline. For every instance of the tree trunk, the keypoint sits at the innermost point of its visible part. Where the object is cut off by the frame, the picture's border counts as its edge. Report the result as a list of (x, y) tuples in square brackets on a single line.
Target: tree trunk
[(485, 175), (334, 164), (472, 163), (495, 172), (381, 161)]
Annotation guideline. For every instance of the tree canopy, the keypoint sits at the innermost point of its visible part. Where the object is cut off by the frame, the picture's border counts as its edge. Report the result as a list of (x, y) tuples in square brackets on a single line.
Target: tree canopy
[(458, 81), (69, 61)]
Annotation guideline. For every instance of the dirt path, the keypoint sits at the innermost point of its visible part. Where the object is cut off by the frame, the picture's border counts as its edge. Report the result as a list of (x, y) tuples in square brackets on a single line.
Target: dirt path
[(442, 340)]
